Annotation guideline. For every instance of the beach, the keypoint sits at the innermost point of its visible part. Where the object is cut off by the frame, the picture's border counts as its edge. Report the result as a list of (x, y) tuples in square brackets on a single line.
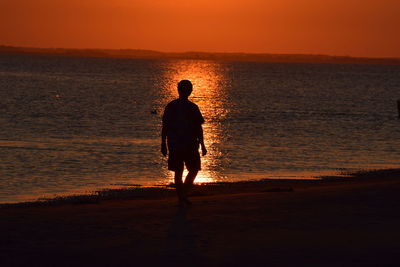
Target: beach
[(331, 222)]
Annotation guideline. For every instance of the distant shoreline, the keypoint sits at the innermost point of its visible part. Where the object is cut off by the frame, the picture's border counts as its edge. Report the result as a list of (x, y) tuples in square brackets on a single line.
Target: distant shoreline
[(239, 57)]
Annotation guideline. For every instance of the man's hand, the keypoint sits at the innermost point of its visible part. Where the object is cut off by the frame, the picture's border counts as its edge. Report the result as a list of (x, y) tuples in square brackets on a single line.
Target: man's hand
[(203, 150), (164, 149)]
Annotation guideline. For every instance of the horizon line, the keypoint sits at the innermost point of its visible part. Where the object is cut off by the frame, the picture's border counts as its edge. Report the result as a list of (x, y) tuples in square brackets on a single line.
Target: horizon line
[(200, 51), (240, 56)]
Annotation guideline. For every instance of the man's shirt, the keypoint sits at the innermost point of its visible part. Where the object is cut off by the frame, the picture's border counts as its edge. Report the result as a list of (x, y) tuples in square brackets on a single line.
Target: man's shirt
[(182, 120)]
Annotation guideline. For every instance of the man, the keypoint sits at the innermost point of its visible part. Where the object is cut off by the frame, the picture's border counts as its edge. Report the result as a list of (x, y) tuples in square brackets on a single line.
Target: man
[(182, 129)]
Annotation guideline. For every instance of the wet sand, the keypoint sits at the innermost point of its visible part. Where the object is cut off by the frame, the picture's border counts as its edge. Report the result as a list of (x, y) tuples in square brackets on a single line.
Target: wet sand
[(335, 222)]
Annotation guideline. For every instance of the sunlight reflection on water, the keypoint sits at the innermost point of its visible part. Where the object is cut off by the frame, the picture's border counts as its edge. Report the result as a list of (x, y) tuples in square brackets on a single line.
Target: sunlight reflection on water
[(209, 85)]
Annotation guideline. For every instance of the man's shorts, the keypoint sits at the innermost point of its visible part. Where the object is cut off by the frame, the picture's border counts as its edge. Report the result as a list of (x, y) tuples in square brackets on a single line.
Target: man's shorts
[(190, 158)]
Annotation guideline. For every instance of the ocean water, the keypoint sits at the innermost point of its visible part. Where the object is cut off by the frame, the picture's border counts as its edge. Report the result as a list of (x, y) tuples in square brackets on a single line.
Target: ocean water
[(75, 125)]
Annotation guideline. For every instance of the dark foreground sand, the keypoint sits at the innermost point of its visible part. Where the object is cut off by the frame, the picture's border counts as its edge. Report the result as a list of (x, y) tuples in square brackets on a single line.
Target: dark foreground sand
[(353, 222)]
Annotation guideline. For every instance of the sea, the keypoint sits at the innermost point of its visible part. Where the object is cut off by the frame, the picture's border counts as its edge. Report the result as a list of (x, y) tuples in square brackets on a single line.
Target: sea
[(76, 125)]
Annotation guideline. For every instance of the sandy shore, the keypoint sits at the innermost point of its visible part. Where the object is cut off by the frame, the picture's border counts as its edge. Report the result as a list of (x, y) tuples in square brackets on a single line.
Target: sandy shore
[(335, 222)]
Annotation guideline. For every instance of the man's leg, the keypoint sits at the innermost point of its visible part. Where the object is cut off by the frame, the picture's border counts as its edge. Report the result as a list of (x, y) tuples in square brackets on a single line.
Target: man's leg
[(193, 164), (179, 185), (189, 183), (190, 178)]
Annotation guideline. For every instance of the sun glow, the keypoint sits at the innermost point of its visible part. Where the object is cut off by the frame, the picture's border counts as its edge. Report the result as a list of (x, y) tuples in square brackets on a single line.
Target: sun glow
[(336, 27)]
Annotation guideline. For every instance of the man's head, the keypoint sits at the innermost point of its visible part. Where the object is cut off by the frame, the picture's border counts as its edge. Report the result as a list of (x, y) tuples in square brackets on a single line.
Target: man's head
[(185, 88)]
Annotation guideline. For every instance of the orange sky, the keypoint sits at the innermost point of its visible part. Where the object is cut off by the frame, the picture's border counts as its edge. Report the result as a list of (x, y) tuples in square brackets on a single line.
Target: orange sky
[(337, 27)]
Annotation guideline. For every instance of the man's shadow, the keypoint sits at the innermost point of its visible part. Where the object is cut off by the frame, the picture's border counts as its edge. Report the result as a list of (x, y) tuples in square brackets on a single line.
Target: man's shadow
[(182, 247)]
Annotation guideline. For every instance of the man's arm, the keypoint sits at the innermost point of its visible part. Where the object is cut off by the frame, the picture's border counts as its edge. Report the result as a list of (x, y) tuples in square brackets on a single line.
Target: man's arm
[(201, 140), (200, 120), (164, 149)]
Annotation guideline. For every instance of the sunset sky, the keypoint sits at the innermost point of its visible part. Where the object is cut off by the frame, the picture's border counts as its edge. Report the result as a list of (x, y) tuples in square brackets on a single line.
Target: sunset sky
[(337, 27)]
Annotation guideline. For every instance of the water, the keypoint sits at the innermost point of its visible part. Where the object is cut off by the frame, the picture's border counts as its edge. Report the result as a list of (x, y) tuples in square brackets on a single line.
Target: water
[(74, 125)]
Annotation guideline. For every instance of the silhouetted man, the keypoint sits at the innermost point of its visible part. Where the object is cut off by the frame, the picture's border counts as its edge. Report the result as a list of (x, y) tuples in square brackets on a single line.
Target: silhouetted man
[(182, 129)]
